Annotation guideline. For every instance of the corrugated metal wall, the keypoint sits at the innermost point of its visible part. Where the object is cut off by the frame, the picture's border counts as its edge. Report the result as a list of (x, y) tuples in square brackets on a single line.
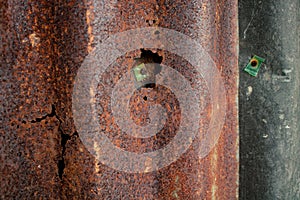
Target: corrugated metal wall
[(44, 46)]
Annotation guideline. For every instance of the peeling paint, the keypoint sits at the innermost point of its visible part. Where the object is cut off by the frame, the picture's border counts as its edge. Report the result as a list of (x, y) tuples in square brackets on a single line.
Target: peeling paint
[(34, 39)]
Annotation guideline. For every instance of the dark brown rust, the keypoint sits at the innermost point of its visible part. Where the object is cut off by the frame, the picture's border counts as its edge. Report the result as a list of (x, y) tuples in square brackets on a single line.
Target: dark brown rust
[(40, 65), (214, 24), (29, 127)]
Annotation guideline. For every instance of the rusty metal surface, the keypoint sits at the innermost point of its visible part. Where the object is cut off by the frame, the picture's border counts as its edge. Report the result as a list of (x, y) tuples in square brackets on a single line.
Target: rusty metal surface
[(57, 38), (29, 128)]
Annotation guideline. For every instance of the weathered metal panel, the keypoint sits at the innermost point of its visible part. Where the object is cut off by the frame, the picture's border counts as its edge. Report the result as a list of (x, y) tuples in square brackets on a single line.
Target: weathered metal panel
[(74, 30), (214, 25), (29, 128)]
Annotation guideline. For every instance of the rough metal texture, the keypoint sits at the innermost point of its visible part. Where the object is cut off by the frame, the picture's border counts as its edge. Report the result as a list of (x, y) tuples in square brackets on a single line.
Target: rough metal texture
[(45, 44), (269, 103), (29, 127)]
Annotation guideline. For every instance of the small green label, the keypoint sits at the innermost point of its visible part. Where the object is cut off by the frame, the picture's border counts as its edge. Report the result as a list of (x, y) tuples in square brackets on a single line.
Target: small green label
[(254, 65), (140, 72)]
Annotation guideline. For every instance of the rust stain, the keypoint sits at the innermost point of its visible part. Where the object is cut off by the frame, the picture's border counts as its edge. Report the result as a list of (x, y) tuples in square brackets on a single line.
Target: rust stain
[(98, 150), (214, 181), (89, 20)]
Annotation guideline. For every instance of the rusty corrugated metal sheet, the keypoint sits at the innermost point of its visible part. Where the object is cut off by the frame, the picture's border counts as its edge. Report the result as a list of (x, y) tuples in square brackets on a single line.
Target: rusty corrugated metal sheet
[(70, 32), (29, 128)]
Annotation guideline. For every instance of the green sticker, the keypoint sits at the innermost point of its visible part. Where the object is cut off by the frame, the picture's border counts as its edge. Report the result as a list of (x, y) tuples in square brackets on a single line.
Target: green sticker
[(254, 65), (140, 72)]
